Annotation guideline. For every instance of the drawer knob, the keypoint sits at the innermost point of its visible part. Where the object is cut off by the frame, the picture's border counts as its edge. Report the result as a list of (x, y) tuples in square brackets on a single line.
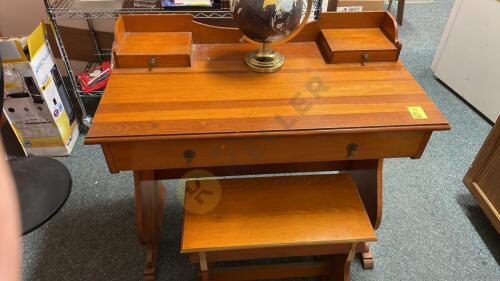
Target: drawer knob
[(152, 63), (189, 156), (351, 148), (364, 58)]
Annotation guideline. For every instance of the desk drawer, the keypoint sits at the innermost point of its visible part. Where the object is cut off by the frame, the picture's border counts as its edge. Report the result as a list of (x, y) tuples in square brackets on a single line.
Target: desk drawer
[(167, 154), (148, 62)]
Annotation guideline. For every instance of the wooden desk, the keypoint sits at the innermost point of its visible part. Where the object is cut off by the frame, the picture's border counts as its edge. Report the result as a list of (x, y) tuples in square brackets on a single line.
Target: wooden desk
[(220, 117)]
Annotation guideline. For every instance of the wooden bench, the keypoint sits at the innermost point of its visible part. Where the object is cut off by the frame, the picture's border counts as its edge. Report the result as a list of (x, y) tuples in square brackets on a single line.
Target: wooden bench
[(275, 217)]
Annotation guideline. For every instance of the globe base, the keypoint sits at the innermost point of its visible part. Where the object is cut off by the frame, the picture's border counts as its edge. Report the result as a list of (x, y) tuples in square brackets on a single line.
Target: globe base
[(265, 60)]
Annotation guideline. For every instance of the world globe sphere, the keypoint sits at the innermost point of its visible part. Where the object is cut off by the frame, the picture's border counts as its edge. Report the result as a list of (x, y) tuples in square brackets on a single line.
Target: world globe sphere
[(267, 20)]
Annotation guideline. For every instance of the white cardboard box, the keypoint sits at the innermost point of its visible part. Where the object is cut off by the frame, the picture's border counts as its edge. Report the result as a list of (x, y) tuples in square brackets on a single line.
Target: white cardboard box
[(359, 5), (36, 102), (468, 57)]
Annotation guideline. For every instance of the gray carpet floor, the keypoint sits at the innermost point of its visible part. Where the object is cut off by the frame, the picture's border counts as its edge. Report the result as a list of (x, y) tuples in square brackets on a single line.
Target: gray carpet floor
[(432, 229)]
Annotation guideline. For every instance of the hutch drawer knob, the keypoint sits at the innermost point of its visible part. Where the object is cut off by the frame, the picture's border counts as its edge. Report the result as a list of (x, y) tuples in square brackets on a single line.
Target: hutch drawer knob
[(351, 148), (189, 156), (152, 63), (365, 57)]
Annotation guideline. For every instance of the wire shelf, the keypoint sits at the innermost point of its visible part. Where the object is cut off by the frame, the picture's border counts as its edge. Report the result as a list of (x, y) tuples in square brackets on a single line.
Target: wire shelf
[(66, 9)]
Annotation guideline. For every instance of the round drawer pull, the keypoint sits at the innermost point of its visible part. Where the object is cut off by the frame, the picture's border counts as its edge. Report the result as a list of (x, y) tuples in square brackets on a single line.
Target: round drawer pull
[(152, 63), (365, 57), (189, 156), (351, 148)]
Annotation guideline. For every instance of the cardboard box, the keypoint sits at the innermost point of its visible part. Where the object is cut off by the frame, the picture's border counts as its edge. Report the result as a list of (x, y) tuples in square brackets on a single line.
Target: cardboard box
[(358, 5), (36, 104)]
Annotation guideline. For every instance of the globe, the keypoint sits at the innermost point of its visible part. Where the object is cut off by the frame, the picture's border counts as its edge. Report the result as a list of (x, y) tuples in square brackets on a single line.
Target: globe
[(267, 20)]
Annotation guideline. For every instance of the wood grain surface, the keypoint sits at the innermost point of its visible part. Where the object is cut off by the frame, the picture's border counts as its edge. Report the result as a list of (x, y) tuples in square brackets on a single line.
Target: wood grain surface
[(363, 39), (167, 49), (218, 94), (357, 45), (155, 43), (255, 213)]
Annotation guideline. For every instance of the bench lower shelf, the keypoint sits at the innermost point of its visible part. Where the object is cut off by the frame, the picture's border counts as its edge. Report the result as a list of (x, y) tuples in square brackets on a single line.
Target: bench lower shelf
[(332, 267)]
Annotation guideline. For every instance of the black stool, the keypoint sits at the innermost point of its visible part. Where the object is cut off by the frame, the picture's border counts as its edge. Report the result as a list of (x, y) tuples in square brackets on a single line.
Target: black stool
[(43, 184)]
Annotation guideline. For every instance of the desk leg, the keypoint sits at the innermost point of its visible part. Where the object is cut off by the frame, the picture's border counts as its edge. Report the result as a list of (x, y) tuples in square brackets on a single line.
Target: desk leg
[(401, 11), (368, 177), (149, 201)]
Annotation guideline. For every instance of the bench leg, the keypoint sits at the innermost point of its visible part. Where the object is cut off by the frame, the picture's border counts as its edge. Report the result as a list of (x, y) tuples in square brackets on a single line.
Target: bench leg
[(204, 276), (149, 201), (367, 258), (204, 266), (341, 265), (366, 255)]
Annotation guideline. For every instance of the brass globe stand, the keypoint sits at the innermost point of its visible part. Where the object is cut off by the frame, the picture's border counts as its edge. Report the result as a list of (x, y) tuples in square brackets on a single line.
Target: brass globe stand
[(265, 59)]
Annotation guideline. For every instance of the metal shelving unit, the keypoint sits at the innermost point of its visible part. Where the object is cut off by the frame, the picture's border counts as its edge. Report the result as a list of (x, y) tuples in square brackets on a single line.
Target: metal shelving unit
[(66, 9)]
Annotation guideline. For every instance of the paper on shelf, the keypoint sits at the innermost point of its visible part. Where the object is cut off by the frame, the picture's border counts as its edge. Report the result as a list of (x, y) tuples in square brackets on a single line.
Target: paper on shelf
[(186, 3)]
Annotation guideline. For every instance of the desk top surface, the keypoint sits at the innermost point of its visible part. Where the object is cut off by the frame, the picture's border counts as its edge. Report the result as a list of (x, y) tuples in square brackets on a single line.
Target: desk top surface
[(220, 96)]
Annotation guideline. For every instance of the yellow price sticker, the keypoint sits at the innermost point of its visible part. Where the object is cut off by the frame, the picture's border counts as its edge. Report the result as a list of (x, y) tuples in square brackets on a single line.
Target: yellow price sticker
[(417, 112)]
